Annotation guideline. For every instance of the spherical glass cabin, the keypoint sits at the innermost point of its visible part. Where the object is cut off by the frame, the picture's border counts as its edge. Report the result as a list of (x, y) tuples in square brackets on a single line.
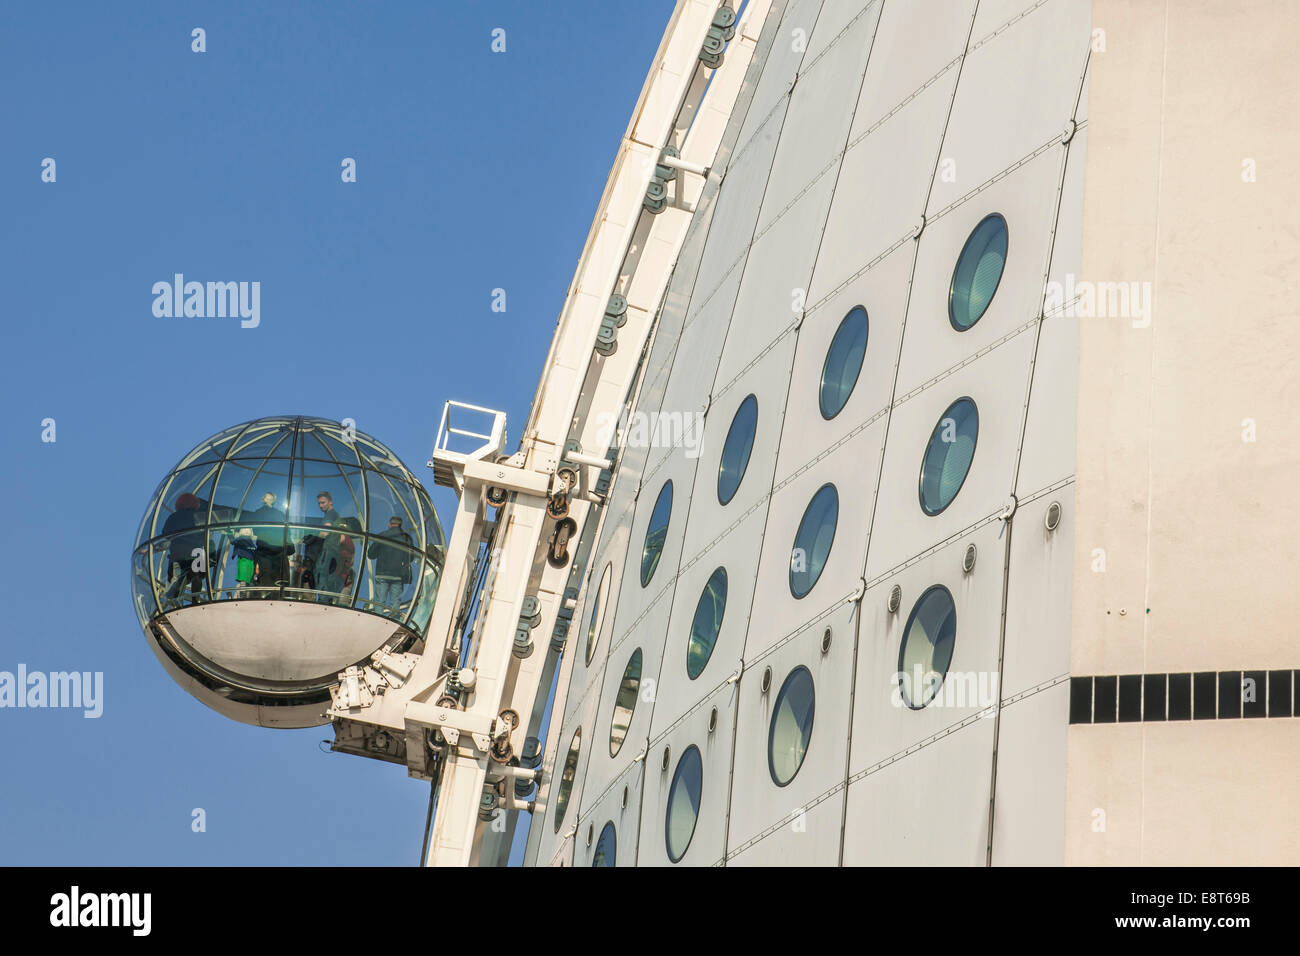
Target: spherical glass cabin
[(275, 555)]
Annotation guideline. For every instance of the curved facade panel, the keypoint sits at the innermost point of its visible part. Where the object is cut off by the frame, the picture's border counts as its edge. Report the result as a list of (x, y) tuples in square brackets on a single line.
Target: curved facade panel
[(869, 141)]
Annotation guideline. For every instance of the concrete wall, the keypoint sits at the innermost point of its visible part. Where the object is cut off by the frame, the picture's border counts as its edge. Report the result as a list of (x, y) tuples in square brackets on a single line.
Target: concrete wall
[(1186, 446)]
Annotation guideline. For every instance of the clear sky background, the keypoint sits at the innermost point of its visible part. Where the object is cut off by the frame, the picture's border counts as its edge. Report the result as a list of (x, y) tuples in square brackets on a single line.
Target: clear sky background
[(475, 170)]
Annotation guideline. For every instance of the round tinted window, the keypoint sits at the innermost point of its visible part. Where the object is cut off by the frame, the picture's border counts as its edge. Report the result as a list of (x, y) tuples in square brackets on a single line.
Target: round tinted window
[(683, 803), (926, 651), (656, 533), (736, 449), (597, 616), (812, 542), (625, 703), (605, 846), (978, 272), (706, 623), (843, 362), (792, 723), (566, 778), (948, 455)]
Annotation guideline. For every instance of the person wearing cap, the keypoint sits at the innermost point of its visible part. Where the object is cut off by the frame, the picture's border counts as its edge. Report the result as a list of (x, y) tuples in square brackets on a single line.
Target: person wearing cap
[(392, 565)]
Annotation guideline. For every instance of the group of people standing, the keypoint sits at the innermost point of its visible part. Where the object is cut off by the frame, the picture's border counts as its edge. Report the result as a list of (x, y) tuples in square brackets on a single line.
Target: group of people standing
[(264, 557)]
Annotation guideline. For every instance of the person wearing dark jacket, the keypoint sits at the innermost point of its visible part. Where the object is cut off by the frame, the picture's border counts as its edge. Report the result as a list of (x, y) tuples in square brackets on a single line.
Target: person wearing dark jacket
[(321, 550), (187, 535), (268, 525), (392, 565)]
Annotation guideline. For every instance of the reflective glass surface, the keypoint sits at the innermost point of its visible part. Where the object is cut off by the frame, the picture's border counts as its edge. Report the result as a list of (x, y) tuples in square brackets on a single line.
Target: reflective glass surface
[(605, 846), (625, 703), (656, 533), (597, 615), (737, 448), (792, 723), (290, 508), (926, 650), (707, 623), (683, 803), (812, 542), (948, 455), (843, 362), (978, 272), (567, 776)]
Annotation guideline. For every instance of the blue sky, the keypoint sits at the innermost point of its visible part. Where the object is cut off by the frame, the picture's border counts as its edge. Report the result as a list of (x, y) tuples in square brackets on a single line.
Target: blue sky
[(475, 170)]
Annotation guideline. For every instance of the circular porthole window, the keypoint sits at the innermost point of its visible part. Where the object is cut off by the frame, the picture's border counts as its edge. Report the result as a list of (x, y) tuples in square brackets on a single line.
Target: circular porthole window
[(683, 803), (792, 723), (656, 533), (948, 455), (843, 362), (736, 449), (926, 651), (707, 623), (566, 778), (625, 703), (978, 272), (605, 846), (597, 612), (812, 542)]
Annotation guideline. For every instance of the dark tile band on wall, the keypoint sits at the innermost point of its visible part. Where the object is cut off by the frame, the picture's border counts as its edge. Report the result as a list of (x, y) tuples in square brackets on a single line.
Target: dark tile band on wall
[(1204, 695)]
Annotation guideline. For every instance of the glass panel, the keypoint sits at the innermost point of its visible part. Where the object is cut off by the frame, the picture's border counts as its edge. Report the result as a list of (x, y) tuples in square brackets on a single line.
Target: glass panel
[(978, 272), (736, 449), (656, 533), (605, 846), (145, 531), (182, 567), (625, 703), (948, 455), (683, 803), (322, 559), (212, 450), (187, 493), (375, 455), (597, 616), (707, 623), (326, 442), (263, 439), (391, 498), (235, 561), (419, 622), (812, 542), (252, 491), (391, 577), (142, 585), (926, 650), (434, 540), (566, 778), (792, 723), (324, 492), (843, 362)]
